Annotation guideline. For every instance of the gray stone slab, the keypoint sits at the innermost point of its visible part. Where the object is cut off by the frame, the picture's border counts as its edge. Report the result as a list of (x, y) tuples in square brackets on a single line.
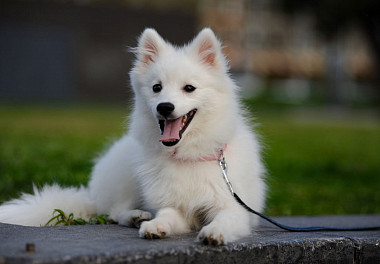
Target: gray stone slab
[(267, 244)]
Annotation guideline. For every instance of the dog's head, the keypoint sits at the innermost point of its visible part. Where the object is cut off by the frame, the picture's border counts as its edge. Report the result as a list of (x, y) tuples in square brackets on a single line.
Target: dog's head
[(185, 89)]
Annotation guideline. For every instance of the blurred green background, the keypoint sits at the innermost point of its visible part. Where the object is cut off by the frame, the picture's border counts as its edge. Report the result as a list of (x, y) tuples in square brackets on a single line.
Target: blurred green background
[(319, 161), (311, 81)]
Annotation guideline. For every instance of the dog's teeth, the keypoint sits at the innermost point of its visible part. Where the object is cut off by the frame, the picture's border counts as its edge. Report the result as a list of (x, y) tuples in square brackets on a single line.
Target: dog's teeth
[(184, 121)]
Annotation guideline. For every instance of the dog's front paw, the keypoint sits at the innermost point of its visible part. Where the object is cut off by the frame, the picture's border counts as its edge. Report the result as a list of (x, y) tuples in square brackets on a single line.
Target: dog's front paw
[(137, 219), (212, 236), (152, 230), (133, 218)]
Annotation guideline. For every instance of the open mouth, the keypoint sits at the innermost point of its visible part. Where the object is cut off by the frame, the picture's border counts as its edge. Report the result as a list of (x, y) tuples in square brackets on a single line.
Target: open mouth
[(172, 129)]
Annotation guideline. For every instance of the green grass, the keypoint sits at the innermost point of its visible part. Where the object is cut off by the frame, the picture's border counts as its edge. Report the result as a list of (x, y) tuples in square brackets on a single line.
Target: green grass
[(322, 168), (316, 166), (52, 144), (61, 218)]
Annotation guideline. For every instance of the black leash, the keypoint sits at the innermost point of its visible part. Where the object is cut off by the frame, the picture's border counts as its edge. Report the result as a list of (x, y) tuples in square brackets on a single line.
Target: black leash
[(223, 166), (303, 229)]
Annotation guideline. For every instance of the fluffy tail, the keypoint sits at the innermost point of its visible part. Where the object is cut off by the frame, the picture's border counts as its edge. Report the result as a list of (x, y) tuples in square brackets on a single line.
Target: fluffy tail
[(37, 209)]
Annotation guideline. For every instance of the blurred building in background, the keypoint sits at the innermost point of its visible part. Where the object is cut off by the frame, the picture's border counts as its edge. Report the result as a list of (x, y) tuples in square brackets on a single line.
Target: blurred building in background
[(76, 50), (270, 47)]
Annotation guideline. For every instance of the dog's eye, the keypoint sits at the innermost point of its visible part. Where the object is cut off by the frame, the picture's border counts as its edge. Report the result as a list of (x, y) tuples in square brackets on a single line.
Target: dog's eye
[(157, 88), (189, 88)]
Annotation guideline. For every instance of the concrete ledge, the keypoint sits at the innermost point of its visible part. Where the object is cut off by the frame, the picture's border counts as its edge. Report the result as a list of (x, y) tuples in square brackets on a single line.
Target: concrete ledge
[(267, 244)]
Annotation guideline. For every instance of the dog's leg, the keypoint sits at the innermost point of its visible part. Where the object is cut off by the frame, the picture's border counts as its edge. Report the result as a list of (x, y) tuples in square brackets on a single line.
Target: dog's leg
[(133, 218), (227, 226), (167, 222)]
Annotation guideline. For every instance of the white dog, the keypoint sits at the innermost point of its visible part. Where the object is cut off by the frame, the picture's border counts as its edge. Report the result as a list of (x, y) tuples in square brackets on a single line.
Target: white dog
[(186, 113)]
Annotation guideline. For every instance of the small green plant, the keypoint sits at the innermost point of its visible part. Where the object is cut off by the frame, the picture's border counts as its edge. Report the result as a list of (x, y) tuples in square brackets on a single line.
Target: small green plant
[(62, 219)]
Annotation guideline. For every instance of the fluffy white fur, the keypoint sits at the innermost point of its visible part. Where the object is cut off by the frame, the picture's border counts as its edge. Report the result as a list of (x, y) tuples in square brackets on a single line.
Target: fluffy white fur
[(139, 176)]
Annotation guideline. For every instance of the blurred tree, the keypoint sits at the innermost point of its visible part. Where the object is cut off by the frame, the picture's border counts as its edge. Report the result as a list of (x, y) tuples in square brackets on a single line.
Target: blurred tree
[(189, 5), (333, 17)]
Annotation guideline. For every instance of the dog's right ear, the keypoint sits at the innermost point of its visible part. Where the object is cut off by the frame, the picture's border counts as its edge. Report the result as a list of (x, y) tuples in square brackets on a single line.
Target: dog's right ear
[(150, 45)]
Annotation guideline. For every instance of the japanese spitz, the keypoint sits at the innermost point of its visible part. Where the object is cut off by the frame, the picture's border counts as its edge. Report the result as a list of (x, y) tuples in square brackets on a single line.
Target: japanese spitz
[(164, 175)]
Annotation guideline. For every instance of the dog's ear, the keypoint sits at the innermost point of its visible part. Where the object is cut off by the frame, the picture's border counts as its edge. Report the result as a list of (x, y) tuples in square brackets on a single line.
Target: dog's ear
[(208, 48), (150, 45)]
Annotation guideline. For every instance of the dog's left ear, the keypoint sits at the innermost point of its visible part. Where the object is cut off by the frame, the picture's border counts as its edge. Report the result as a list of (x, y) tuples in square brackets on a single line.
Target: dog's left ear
[(208, 48)]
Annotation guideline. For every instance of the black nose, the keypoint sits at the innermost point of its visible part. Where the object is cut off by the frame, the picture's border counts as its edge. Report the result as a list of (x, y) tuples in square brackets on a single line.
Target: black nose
[(165, 109)]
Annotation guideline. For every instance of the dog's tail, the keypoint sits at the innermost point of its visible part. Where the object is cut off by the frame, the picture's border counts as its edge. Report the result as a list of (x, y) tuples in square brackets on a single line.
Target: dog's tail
[(37, 209)]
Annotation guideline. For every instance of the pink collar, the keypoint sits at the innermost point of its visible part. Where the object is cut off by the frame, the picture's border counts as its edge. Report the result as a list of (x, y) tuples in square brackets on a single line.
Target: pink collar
[(207, 158)]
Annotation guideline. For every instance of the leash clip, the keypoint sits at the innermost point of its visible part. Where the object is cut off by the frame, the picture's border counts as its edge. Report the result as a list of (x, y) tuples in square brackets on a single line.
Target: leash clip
[(223, 165)]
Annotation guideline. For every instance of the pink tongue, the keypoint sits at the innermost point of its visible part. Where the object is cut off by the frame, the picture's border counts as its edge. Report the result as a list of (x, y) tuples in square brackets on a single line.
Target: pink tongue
[(171, 130)]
